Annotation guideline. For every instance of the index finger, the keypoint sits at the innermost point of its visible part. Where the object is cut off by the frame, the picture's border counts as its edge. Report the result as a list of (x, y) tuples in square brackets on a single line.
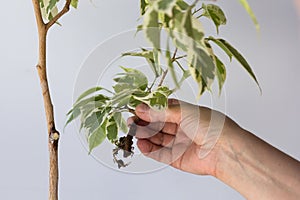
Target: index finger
[(171, 114)]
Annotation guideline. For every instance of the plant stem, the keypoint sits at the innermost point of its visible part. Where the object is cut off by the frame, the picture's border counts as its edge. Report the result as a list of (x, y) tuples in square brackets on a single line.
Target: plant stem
[(166, 71), (179, 57), (197, 10), (53, 134), (163, 77)]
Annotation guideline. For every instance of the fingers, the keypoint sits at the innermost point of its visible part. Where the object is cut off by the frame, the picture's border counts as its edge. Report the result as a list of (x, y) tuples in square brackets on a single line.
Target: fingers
[(174, 102), (162, 139), (162, 154), (171, 114), (154, 151), (146, 129)]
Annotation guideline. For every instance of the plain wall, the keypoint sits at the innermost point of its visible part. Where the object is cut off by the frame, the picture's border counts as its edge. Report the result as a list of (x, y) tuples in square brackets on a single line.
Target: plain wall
[(273, 116)]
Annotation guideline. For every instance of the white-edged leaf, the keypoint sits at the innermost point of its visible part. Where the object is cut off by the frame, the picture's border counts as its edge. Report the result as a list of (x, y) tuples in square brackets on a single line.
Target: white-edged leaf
[(132, 78), (215, 13), (165, 6), (229, 49), (221, 45), (143, 6), (88, 92), (111, 129), (73, 115), (202, 68), (122, 125), (96, 137), (152, 28), (221, 73), (249, 10)]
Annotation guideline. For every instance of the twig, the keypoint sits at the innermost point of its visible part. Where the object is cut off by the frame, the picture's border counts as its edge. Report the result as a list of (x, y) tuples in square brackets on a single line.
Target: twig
[(179, 57), (174, 54), (65, 9), (166, 71), (163, 77), (199, 9)]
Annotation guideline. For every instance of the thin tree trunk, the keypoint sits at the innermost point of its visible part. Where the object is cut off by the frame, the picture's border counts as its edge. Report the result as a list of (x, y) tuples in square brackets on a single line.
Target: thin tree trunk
[(53, 134)]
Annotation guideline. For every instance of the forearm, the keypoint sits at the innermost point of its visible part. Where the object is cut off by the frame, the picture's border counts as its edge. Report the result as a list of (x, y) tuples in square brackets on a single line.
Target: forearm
[(256, 169)]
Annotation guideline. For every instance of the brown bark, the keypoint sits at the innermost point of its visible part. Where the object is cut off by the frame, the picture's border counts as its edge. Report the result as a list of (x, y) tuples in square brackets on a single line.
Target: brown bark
[(53, 134)]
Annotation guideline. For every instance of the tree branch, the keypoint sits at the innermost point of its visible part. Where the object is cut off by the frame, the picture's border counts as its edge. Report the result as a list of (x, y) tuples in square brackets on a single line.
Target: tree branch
[(65, 9), (53, 134), (38, 14)]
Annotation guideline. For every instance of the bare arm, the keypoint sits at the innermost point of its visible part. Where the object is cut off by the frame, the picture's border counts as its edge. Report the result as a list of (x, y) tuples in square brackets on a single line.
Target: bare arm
[(179, 136), (256, 169)]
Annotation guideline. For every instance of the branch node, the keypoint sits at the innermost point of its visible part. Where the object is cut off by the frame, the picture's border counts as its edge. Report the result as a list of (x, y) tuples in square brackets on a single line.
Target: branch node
[(38, 66), (54, 136)]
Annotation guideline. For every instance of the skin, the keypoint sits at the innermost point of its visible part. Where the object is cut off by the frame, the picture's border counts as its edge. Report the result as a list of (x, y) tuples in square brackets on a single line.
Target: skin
[(182, 136)]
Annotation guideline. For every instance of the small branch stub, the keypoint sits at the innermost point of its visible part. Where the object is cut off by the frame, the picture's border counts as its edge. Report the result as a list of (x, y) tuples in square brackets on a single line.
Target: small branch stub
[(54, 136)]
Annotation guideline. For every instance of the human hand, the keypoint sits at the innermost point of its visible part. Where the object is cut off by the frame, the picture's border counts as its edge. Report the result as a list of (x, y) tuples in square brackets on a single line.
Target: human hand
[(184, 136)]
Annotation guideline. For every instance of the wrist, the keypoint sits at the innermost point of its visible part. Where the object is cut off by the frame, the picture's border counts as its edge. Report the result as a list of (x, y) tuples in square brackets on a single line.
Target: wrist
[(224, 147)]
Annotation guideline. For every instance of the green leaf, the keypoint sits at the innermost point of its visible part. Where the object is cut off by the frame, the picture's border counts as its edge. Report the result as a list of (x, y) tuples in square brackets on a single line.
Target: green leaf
[(221, 45), (215, 13), (182, 5), (75, 113), (51, 5), (187, 23), (165, 6), (247, 7), (42, 3), (122, 125), (111, 129), (221, 73), (132, 79), (185, 75), (202, 68), (98, 98), (149, 56), (90, 107), (143, 6), (145, 54), (198, 31), (96, 137), (122, 97), (156, 64), (240, 59), (164, 90), (152, 28), (157, 99), (187, 31), (74, 3), (95, 119), (88, 92)]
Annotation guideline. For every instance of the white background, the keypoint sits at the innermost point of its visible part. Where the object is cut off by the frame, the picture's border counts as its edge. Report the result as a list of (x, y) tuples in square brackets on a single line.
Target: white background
[(274, 116)]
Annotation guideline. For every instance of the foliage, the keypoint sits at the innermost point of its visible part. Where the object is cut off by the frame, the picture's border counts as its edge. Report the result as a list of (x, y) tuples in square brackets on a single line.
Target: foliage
[(100, 110), (101, 115), (49, 8)]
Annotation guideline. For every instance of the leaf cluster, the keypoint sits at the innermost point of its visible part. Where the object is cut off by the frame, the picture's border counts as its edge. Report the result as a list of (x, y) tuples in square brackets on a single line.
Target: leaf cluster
[(181, 22), (101, 115)]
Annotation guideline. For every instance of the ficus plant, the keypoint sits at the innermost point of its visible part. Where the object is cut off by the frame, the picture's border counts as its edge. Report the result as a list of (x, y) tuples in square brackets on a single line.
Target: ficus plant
[(101, 109), (187, 49)]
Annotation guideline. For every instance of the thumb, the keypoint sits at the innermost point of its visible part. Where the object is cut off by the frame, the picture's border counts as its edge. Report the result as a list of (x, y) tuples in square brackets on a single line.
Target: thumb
[(171, 114)]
